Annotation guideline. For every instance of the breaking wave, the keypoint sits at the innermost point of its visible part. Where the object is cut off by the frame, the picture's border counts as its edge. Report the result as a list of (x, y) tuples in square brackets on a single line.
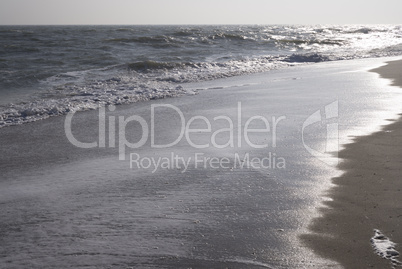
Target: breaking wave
[(80, 68)]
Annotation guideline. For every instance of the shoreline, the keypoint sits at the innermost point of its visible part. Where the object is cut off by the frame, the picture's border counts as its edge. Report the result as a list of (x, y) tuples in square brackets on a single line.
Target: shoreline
[(367, 196), (57, 196)]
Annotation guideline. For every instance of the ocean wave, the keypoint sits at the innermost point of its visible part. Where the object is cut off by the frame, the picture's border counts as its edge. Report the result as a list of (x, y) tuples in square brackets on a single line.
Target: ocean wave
[(368, 30), (80, 99), (388, 51), (230, 36), (145, 39), (83, 67), (307, 58), (148, 66), (130, 83), (185, 33), (336, 42), (361, 31)]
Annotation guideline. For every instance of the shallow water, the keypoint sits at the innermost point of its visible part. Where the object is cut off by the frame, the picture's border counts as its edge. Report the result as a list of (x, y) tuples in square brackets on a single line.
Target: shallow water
[(69, 207)]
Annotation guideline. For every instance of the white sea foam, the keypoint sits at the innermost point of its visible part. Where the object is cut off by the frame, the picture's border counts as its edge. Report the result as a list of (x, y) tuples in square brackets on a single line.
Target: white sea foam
[(126, 84), (385, 248), (81, 99)]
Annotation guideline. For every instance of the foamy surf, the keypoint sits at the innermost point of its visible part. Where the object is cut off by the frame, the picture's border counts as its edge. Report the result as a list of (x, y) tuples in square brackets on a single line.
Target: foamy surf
[(126, 84), (50, 70)]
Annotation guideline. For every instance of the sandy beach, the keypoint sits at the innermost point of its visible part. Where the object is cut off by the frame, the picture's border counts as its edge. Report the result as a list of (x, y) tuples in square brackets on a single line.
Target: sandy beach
[(367, 196)]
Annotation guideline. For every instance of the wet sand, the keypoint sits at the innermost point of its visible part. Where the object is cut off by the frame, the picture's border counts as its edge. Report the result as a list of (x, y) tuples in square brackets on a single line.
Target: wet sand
[(367, 196)]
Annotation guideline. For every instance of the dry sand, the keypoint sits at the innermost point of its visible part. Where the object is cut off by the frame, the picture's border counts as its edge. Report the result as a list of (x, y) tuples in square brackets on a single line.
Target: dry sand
[(367, 196)]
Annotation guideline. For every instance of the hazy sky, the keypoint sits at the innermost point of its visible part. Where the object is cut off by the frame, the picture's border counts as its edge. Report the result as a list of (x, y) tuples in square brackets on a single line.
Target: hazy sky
[(200, 12)]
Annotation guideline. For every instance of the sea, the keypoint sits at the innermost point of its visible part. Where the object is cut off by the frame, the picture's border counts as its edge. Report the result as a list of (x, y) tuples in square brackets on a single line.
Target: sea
[(51, 70)]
